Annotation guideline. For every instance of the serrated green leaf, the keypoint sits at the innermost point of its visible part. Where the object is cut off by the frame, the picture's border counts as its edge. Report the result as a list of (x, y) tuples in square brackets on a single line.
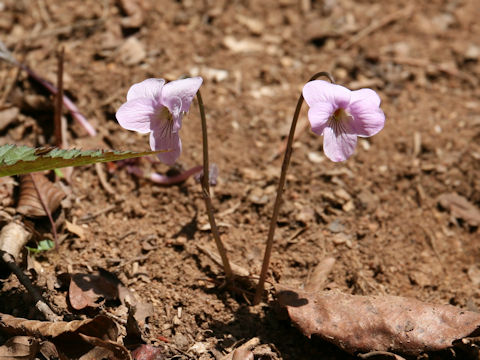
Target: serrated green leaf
[(15, 160)]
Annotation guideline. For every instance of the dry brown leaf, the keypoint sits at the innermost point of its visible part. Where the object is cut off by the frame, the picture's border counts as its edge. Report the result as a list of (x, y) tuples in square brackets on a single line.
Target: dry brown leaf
[(460, 208), (29, 203), (377, 323), (91, 290), (75, 229), (78, 339), (20, 347), (49, 350), (100, 325), (136, 323)]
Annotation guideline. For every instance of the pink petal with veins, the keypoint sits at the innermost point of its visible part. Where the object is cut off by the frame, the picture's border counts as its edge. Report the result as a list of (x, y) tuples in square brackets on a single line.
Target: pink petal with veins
[(319, 91), (136, 115), (338, 146), (177, 95), (149, 88), (171, 142)]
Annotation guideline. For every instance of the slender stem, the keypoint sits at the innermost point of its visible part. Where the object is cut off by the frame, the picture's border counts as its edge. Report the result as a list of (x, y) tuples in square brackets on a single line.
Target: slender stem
[(278, 200), (57, 118), (206, 192)]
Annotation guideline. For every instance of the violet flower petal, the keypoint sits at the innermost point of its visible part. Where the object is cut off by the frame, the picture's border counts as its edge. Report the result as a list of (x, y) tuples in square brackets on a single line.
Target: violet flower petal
[(319, 91), (369, 119), (171, 142), (136, 115), (318, 115), (149, 88), (338, 146), (183, 90)]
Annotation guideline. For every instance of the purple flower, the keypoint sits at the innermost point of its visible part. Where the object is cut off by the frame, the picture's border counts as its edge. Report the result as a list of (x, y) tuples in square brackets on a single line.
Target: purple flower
[(340, 115), (158, 108)]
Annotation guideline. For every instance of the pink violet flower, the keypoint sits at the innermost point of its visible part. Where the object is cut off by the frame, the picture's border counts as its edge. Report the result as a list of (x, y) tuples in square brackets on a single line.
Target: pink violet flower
[(158, 108), (340, 115)]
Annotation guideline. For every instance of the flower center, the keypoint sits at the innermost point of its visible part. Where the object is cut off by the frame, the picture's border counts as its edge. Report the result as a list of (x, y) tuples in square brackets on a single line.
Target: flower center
[(165, 118), (341, 115), (339, 121)]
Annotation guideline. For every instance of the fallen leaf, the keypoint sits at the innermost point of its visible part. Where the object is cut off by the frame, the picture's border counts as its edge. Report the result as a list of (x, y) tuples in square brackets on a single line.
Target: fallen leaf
[(20, 347), (13, 238), (91, 290), (136, 324), (78, 339), (29, 204), (377, 323), (460, 208), (75, 229)]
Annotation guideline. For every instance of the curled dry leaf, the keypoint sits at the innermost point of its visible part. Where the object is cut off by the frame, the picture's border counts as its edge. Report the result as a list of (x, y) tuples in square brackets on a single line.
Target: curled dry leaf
[(377, 323), (84, 339), (13, 238), (20, 347), (29, 204)]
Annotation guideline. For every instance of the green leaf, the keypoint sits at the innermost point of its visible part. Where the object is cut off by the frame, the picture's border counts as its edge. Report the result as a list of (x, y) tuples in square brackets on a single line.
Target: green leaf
[(43, 245), (15, 160)]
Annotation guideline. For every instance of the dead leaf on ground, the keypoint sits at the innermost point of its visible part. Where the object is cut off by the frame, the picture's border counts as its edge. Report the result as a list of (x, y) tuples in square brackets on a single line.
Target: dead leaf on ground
[(74, 339), (13, 238), (460, 208), (136, 324), (377, 323), (29, 203), (75, 229), (20, 347), (91, 290)]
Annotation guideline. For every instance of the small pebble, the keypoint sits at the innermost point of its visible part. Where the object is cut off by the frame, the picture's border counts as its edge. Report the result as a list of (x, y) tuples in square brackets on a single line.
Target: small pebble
[(336, 226)]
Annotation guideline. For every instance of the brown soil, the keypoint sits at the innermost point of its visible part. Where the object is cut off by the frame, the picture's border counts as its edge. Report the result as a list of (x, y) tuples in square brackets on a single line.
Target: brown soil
[(377, 214)]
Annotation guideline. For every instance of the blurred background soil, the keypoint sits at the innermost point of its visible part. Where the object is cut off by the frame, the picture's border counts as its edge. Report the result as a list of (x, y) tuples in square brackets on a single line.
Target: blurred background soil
[(378, 214)]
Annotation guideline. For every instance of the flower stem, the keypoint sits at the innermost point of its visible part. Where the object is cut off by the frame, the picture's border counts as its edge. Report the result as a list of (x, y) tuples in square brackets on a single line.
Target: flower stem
[(206, 192), (280, 188)]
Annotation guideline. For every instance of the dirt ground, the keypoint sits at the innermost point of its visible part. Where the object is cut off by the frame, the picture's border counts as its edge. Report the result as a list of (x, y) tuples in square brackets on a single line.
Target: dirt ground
[(377, 214)]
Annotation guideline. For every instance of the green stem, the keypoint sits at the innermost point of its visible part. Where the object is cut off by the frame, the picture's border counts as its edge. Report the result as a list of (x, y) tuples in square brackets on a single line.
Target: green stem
[(280, 188), (206, 192)]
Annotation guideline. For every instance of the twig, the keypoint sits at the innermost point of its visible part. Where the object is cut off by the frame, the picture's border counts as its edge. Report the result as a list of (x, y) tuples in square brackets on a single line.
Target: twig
[(376, 25), (66, 101), (249, 345), (236, 269), (90, 217), (206, 192), (47, 211), (40, 303), (103, 179), (65, 29), (280, 188), (8, 57)]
